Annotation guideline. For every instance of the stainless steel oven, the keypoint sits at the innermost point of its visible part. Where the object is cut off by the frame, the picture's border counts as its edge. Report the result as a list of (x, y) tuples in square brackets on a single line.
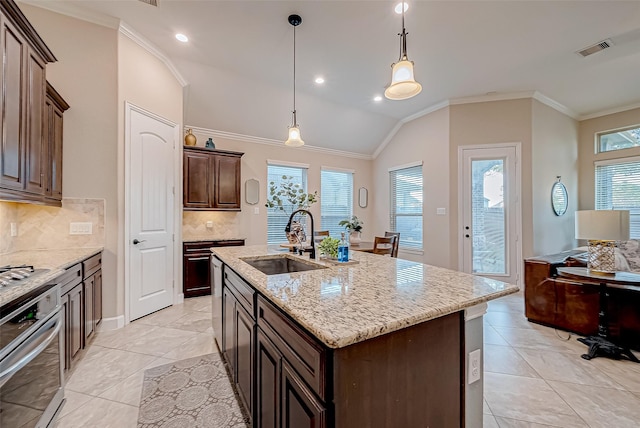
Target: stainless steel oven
[(31, 356)]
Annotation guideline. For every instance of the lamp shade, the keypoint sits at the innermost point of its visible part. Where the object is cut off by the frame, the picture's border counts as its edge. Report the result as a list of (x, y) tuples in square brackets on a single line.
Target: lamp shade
[(603, 225), (403, 84), (294, 139)]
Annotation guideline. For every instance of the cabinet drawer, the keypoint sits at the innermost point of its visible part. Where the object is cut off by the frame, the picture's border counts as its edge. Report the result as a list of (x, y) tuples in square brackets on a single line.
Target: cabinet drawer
[(305, 355), (243, 291), (198, 247), (91, 265), (70, 278)]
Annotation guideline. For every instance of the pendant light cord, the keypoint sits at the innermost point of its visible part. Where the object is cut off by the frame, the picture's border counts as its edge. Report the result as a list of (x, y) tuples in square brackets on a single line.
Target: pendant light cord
[(295, 121), (403, 38)]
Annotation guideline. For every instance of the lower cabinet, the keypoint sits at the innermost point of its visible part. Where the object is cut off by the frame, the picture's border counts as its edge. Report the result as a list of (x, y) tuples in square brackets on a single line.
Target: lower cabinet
[(81, 291), (196, 268)]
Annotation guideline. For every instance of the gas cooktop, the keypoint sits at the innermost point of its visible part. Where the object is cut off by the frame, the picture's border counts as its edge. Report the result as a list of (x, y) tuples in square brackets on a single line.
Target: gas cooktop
[(15, 275)]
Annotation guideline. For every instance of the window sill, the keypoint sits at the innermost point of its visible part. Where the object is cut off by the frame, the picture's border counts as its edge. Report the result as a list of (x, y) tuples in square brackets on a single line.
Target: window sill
[(416, 251)]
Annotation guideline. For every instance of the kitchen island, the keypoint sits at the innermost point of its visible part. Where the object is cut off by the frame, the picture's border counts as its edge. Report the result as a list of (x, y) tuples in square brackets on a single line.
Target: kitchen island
[(378, 342)]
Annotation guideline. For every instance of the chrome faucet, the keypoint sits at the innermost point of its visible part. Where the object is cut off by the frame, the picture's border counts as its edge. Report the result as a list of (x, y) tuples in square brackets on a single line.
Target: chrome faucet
[(287, 229)]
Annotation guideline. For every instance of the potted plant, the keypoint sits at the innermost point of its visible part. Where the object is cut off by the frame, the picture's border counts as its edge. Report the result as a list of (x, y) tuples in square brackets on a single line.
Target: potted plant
[(354, 227), (329, 247), (288, 196)]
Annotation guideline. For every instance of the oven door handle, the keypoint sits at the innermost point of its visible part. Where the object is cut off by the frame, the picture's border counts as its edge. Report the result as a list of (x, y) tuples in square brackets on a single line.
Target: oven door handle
[(30, 348)]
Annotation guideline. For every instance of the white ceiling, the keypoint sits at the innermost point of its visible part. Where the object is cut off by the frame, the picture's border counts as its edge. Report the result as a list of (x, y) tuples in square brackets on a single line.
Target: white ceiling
[(239, 59)]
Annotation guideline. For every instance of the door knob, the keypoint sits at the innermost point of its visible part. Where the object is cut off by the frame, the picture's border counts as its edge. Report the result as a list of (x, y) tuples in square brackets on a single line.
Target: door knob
[(136, 241)]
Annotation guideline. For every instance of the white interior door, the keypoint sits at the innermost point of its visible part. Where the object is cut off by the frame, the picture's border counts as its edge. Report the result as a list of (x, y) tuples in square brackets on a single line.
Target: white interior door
[(490, 215), (150, 207)]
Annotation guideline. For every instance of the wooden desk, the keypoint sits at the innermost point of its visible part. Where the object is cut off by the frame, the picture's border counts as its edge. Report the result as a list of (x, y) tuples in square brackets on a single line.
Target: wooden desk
[(600, 344)]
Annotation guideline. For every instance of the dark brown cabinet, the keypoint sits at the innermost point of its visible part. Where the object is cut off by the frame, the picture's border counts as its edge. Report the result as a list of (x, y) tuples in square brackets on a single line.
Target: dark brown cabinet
[(81, 291), (55, 107), (24, 162), (196, 269), (300, 407), (211, 179), (268, 363)]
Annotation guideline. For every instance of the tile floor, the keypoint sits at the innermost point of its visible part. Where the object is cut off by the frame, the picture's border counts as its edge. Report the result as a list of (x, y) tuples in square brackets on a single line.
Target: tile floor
[(534, 376)]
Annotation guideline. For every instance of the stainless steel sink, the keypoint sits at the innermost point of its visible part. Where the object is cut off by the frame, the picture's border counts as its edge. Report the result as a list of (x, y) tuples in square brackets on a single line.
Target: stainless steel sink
[(282, 263)]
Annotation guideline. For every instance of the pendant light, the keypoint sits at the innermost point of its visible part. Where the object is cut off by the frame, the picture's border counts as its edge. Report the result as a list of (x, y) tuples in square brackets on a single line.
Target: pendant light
[(403, 85), (294, 139)]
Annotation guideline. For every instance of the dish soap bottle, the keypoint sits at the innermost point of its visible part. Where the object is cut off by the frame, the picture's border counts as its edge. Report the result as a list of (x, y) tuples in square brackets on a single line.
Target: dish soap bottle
[(343, 250)]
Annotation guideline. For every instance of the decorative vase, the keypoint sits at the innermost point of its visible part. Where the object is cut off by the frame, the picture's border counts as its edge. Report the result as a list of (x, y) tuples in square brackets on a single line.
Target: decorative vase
[(190, 139), (210, 144), (355, 237)]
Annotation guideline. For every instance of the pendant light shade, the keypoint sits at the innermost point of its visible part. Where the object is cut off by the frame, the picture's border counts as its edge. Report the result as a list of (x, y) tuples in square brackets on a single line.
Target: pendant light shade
[(294, 140), (403, 84)]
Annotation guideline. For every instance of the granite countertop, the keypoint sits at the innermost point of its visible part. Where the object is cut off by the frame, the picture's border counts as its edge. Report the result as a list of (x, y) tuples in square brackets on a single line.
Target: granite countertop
[(56, 260), (346, 304)]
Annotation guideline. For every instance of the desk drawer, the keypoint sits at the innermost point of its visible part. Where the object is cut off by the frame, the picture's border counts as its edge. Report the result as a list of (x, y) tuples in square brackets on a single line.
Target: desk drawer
[(307, 357)]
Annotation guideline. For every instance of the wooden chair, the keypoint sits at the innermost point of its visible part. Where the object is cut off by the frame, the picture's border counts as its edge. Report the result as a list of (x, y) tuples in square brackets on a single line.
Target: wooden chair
[(397, 243), (384, 245), (319, 235)]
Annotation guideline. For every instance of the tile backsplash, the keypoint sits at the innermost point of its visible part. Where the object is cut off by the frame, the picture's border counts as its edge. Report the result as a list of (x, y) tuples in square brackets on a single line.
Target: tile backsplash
[(224, 225), (43, 227)]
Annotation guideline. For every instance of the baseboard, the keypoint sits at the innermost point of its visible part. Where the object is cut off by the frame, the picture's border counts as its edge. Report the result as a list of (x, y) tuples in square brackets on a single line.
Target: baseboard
[(113, 323)]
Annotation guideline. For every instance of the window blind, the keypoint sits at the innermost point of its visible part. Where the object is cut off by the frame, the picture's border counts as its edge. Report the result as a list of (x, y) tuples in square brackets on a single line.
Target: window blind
[(618, 188), (336, 200), (406, 205), (277, 219)]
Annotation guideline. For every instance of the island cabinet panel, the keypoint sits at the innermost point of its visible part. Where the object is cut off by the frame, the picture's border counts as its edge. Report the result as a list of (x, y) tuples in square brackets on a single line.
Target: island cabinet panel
[(300, 407), (267, 382), (211, 179), (244, 344), (412, 377)]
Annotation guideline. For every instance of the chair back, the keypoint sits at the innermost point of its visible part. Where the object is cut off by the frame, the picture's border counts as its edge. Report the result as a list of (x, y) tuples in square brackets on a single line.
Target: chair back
[(383, 245), (319, 235), (397, 243)]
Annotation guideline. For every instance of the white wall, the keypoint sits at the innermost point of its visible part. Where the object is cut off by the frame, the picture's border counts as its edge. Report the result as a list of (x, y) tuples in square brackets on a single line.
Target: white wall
[(555, 153), (425, 139)]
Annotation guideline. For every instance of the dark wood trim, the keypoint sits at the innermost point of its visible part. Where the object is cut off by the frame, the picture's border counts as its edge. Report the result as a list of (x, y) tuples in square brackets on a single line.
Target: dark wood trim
[(20, 196), (57, 98), (213, 151), (13, 12)]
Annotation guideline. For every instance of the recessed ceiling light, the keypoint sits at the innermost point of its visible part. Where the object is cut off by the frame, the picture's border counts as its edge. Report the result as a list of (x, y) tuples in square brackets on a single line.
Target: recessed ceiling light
[(181, 37), (377, 98), (398, 7), (319, 80)]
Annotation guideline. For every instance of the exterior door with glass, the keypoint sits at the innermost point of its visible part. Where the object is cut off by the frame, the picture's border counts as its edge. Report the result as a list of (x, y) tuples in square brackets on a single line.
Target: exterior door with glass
[(490, 216)]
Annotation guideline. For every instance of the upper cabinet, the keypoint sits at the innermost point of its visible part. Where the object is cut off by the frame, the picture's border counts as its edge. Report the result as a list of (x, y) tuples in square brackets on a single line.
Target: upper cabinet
[(27, 169), (55, 106), (211, 179)]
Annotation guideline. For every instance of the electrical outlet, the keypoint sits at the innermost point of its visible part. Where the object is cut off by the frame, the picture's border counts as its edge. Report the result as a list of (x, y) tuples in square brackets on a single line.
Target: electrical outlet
[(474, 366), (80, 228), (209, 224), (14, 229)]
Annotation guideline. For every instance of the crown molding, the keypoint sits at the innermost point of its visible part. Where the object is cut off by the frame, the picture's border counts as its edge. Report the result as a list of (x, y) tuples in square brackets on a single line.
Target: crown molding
[(145, 44), (276, 143), (72, 10), (609, 111), (555, 105)]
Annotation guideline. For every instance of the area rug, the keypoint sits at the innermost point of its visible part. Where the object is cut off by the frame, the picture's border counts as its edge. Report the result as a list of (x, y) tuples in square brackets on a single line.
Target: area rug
[(190, 393)]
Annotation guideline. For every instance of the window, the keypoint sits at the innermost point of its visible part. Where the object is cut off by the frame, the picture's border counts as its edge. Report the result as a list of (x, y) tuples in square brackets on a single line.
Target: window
[(277, 219), (618, 140), (406, 205), (618, 188), (336, 200)]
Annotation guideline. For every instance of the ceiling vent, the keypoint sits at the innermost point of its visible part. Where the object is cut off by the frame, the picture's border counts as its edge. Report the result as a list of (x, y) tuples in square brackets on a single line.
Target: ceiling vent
[(151, 2), (600, 46)]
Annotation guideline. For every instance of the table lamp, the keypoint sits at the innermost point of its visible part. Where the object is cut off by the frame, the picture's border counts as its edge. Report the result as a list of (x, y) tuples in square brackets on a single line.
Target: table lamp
[(602, 228)]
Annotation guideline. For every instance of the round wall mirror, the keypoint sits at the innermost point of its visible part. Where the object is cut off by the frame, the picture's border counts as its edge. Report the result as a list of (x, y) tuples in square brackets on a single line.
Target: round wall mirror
[(559, 198)]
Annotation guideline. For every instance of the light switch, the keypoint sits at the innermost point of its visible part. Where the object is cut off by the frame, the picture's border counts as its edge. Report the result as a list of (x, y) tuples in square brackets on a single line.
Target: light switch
[(256, 210), (14, 229), (441, 211), (209, 224), (80, 228)]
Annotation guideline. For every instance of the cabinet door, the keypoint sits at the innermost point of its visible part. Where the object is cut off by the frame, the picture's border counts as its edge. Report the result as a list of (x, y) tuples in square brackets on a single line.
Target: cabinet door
[(228, 314), (54, 155), (267, 412), (13, 117), (97, 297), (300, 408), (196, 187), (196, 275), (88, 306), (244, 341), (35, 150), (226, 183), (75, 321)]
